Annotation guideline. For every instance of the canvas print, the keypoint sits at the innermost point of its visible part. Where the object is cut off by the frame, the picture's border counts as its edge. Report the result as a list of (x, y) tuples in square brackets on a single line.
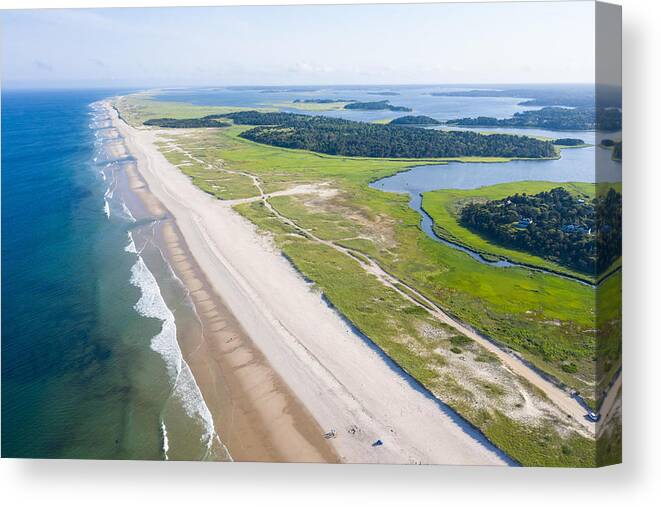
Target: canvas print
[(326, 234)]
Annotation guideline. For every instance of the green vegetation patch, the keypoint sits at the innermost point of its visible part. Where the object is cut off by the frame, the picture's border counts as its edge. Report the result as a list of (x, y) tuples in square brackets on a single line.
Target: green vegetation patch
[(186, 123), (415, 120)]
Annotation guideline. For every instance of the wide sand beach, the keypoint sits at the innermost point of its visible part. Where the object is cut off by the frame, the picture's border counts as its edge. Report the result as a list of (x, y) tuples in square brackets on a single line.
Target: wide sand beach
[(276, 365)]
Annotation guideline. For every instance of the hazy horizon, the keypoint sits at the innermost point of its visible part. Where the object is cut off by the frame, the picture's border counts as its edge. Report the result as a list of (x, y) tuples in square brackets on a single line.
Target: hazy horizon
[(369, 45), (208, 86)]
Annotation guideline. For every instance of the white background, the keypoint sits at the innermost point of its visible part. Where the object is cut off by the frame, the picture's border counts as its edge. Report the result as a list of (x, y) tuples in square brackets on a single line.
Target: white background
[(637, 482)]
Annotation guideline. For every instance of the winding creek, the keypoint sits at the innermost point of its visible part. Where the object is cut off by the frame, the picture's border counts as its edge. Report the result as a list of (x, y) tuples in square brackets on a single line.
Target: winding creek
[(591, 164)]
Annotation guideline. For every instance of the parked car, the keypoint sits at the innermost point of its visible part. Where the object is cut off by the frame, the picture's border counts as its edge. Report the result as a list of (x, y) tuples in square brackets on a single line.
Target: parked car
[(593, 416)]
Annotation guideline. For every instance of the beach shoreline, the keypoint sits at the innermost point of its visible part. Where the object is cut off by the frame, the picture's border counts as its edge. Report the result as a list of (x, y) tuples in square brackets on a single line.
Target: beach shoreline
[(255, 415), (291, 343)]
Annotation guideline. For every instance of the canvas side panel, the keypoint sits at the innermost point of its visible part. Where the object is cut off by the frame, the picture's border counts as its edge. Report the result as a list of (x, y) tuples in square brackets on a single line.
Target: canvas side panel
[(608, 81)]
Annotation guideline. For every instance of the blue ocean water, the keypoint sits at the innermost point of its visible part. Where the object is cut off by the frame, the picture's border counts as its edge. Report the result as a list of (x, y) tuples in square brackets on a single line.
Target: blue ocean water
[(85, 373)]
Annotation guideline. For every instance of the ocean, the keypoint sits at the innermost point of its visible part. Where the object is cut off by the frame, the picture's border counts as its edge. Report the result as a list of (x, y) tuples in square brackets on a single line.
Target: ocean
[(91, 366)]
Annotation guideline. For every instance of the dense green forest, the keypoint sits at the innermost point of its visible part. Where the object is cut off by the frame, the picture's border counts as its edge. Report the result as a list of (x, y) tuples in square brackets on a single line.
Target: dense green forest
[(581, 234), (336, 136), (553, 118), (415, 120), (257, 118), (568, 141), (609, 229), (379, 105), (187, 123)]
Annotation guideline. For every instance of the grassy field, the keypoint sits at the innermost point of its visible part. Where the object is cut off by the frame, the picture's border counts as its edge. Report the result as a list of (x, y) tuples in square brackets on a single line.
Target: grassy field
[(609, 331), (548, 319), (140, 107)]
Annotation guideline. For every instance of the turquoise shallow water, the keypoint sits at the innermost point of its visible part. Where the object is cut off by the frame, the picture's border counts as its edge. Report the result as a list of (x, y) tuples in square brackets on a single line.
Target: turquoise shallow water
[(90, 362)]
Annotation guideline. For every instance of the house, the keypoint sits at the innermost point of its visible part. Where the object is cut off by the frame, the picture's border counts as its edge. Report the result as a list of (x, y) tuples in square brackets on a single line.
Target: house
[(581, 229), (524, 223)]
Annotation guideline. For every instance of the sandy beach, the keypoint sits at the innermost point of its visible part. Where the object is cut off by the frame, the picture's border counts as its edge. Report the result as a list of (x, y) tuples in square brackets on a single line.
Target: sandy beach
[(287, 364), (255, 414)]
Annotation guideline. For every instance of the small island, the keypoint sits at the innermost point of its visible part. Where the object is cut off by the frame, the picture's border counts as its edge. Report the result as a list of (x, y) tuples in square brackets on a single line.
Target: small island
[(569, 141), (415, 120), (384, 94), (379, 105)]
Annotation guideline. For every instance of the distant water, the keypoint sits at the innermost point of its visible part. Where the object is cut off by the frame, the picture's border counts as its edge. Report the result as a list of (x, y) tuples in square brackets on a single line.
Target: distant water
[(90, 362), (418, 98)]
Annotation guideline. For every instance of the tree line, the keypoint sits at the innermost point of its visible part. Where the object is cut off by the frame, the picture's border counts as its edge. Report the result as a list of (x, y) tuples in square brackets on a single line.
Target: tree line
[(553, 118), (336, 136), (187, 123)]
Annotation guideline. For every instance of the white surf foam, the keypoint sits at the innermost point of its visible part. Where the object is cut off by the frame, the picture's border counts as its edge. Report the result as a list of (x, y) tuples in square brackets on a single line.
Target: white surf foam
[(185, 389), (106, 208), (127, 212), (131, 246), (166, 442)]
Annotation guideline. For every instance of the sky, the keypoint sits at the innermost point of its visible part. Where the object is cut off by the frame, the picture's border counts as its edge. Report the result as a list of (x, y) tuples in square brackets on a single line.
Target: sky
[(536, 42)]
